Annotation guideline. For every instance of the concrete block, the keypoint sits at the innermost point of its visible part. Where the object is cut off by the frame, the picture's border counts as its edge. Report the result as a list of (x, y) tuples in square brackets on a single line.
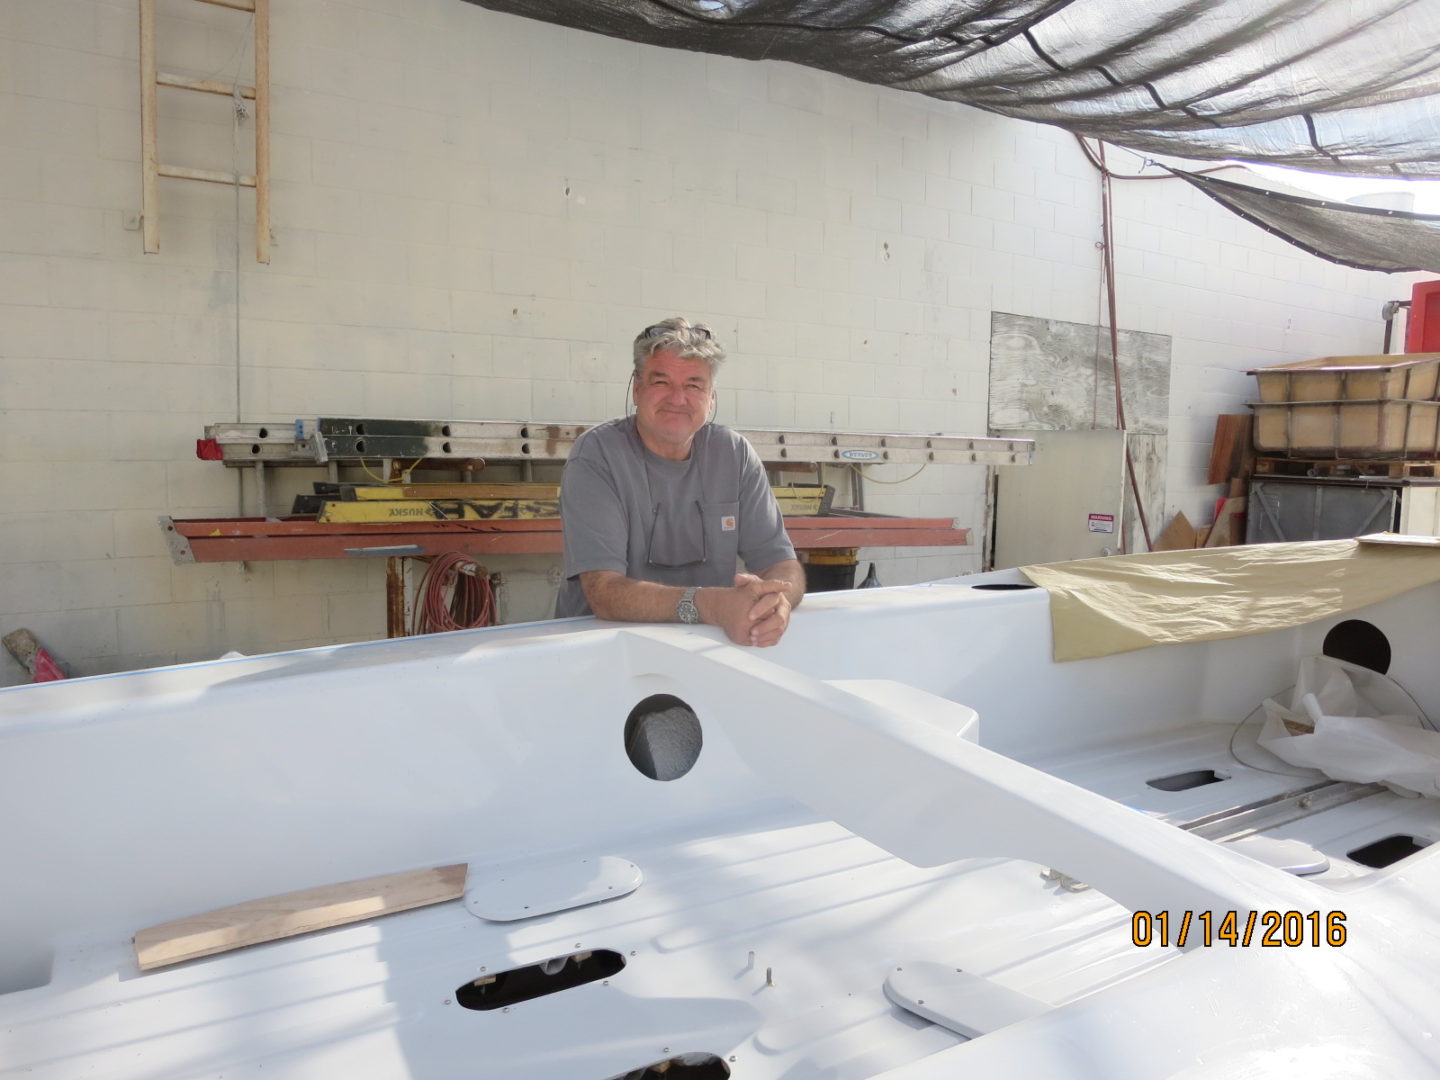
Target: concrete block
[(348, 75), (29, 587), (788, 232), (848, 309), (137, 533), (531, 275), (795, 374), (918, 219), (354, 616), (673, 290), (31, 122), (35, 436), (531, 358), (313, 578), (51, 333), (215, 582), (403, 394), (875, 414), (848, 378), (733, 224), (731, 297), (1017, 239), (990, 203), (799, 304), (797, 87), (823, 411), (494, 399), (765, 264), (22, 175), (892, 181), (299, 299), (108, 485), (74, 637), (764, 191), (899, 315), (113, 583), (763, 408), (193, 630)]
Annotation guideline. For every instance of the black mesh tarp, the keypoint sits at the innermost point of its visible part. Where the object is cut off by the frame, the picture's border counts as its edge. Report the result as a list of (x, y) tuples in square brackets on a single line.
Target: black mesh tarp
[(1332, 85), (1358, 236)]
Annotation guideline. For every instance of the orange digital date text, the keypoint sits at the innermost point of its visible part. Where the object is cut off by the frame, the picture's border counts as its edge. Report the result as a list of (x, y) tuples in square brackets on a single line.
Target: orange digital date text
[(1266, 929)]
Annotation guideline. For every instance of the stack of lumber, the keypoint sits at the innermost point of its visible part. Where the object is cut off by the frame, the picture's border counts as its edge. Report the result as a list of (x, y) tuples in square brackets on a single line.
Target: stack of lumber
[(1231, 462)]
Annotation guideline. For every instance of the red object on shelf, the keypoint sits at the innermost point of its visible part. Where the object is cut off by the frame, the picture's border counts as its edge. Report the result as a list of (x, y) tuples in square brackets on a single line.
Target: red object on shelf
[(208, 450), (1422, 330)]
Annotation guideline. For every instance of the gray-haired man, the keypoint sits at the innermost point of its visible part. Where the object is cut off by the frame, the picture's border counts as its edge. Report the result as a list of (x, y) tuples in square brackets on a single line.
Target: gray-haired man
[(657, 507)]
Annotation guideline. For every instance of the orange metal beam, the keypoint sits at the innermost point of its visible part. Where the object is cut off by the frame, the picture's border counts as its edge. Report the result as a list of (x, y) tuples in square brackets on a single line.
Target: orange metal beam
[(262, 540)]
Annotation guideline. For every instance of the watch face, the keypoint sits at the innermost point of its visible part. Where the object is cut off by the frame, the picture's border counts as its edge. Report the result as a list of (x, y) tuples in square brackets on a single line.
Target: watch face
[(686, 609)]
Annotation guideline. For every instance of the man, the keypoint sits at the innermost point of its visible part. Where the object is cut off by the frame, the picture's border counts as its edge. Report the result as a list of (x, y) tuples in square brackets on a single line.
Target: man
[(657, 506)]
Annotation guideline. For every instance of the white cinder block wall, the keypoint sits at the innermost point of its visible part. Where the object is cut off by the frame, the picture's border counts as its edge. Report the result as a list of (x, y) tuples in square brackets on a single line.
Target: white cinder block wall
[(473, 214)]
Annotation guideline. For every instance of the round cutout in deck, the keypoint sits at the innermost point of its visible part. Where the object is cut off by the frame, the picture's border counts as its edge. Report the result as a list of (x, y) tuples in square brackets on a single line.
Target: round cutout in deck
[(1358, 642), (663, 737)]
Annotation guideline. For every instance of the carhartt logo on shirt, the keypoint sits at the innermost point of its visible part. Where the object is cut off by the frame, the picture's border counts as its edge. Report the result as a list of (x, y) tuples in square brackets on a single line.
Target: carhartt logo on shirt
[(727, 523)]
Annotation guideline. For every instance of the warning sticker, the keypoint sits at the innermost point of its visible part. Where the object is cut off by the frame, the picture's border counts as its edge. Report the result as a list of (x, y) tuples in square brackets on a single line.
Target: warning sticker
[(1104, 523)]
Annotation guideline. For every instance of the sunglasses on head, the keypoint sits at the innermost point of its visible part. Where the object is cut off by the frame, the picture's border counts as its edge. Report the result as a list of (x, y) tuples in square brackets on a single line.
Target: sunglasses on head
[(660, 329)]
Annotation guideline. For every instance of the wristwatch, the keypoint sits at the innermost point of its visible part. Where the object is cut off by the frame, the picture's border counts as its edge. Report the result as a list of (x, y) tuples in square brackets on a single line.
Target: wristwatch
[(685, 610)]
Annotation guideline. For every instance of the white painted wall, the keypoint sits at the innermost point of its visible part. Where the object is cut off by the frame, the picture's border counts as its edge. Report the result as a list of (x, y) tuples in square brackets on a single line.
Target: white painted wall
[(473, 214)]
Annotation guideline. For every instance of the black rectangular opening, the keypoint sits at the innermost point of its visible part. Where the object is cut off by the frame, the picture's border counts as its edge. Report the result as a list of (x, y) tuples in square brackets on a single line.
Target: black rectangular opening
[(1186, 780), (1386, 851)]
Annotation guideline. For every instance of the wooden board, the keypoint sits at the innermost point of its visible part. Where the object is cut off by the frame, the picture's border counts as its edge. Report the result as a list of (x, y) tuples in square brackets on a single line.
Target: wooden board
[(1223, 531), (1230, 448), (283, 916), (1178, 535)]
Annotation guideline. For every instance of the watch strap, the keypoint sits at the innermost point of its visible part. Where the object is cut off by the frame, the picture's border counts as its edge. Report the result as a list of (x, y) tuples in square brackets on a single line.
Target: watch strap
[(685, 610)]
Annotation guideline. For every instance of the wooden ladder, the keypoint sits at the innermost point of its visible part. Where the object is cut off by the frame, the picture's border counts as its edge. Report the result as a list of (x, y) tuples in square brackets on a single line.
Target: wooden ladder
[(151, 79)]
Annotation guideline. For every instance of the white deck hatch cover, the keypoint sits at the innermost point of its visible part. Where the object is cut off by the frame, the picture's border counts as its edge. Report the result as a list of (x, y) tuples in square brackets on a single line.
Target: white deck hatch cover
[(525, 890), (965, 1003)]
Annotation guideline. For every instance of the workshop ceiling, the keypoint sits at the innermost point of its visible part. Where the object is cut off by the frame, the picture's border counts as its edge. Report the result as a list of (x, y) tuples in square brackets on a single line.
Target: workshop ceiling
[(1326, 85)]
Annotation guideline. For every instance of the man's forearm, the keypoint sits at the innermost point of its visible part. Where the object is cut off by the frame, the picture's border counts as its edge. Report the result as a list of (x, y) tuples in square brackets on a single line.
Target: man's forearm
[(614, 596), (619, 598)]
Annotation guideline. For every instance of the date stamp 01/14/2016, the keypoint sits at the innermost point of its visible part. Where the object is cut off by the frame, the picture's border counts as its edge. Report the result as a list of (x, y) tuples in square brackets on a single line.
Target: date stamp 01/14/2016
[(1267, 929)]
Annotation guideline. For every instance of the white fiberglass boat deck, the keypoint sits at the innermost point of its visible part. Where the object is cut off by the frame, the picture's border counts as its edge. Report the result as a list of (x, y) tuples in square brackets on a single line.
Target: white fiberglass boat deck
[(843, 883)]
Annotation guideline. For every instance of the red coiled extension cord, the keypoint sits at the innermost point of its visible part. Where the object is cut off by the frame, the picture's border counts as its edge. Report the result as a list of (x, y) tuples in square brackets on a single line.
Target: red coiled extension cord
[(454, 594)]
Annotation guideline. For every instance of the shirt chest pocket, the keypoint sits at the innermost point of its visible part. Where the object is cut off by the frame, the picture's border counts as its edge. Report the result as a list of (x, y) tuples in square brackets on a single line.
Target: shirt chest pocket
[(722, 532), (695, 534)]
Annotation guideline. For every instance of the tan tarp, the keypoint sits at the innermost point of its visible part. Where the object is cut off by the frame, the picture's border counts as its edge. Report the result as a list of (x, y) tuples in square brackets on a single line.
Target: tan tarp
[(1104, 606)]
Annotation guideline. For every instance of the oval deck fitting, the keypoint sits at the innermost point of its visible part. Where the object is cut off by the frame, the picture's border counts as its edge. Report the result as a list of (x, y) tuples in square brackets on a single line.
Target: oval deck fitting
[(525, 890), (1293, 856), (967, 1004)]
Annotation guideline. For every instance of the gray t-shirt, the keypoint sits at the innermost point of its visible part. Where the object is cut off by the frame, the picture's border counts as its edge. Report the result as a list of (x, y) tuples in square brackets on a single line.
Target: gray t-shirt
[(687, 522)]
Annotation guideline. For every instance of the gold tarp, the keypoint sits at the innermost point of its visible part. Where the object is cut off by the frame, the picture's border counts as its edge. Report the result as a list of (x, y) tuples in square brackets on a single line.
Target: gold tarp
[(1104, 606)]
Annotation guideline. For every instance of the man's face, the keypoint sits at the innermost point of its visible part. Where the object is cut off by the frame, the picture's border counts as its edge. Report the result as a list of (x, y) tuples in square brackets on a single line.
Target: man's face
[(672, 402)]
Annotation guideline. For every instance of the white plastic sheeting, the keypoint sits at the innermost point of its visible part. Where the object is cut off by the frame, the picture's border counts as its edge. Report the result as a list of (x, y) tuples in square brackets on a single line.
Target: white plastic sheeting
[(1313, 84), (1364, 728)]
